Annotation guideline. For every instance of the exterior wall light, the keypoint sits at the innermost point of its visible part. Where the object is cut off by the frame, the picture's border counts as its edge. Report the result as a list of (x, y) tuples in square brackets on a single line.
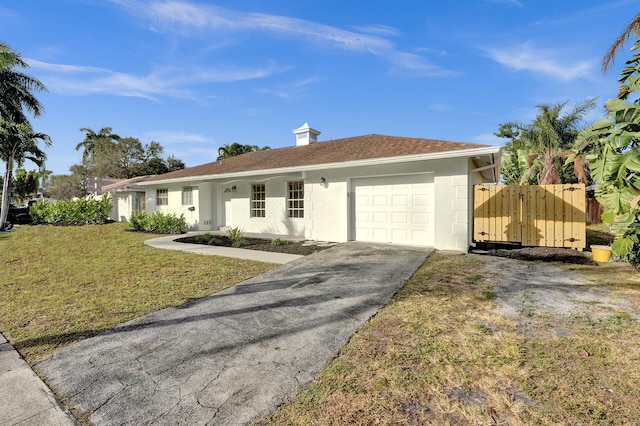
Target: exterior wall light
[(323, 180)]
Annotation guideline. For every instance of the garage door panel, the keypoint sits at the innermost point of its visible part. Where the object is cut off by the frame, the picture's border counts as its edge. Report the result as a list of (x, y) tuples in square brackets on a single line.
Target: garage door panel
[(420, 218), (420, 200), (362, 200), (399, 200), (394, 209), (399, 234), (419, 235), (379, 234), (380, 217), (400, 218), (380, 200)]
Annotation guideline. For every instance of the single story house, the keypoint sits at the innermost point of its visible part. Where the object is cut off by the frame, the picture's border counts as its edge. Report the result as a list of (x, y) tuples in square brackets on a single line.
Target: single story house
[(373, 188), (126, 197)]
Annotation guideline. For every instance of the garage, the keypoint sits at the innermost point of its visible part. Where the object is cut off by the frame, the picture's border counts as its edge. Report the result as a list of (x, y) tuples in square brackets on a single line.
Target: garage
[(394, 209)]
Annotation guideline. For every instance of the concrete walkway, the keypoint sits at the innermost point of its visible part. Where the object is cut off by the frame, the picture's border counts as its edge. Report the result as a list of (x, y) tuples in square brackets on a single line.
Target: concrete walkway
[(236, 355), (24, 399), (262, 256)]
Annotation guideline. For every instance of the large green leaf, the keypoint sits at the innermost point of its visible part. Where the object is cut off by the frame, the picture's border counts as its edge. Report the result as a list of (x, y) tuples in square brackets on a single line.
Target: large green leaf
[(623, 247)]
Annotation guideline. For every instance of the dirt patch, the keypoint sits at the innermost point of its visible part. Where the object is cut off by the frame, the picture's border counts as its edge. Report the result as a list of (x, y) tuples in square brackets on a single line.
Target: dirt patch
[(302, 248), (534, 293)]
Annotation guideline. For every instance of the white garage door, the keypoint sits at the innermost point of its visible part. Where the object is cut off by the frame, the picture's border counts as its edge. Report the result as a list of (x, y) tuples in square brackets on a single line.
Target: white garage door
[(395, 209)]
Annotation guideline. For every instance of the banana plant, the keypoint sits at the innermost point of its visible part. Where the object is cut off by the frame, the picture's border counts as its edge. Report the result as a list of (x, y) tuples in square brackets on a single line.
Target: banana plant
[(612, 147)]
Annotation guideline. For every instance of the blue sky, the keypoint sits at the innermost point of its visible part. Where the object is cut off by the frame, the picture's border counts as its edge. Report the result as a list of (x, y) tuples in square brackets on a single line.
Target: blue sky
[(194, 75)]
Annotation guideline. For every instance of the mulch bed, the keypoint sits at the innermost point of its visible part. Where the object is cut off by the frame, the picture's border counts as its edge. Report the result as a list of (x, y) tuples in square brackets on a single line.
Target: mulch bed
[(290, 247), (547, 254)]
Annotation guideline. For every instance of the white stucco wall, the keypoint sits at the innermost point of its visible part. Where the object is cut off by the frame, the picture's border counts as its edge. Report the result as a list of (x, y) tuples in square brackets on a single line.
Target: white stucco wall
[(175, 203), (328, 207), (235, 207)]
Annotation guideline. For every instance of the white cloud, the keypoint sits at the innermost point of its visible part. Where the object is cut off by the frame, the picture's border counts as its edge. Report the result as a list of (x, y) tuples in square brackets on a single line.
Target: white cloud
[(378, 29), (191, 18), (525, 57), (409, 63), (510, 2), (172, 137), (174, 82)]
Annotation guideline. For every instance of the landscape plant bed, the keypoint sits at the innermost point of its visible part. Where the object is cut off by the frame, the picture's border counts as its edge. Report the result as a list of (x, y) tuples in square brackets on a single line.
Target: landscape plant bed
[(290, 247)]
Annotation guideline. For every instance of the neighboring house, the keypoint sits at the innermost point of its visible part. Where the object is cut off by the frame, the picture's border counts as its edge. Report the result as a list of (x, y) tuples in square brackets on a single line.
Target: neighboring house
[(95, 185), (126, 197), (373, 188)]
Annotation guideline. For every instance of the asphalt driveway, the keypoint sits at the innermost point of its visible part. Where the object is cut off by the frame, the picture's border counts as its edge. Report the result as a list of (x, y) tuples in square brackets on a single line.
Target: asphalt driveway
[(237, 355)]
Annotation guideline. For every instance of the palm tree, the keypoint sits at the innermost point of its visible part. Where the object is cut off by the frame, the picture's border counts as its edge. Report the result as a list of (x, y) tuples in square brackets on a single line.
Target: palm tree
[(18, 142), (632, 28), (16, 88), (550, 137), (93, 140), (235, 148)]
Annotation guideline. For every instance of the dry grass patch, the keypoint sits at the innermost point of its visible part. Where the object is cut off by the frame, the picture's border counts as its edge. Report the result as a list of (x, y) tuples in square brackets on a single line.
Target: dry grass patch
[(436, 354), (439, 354), (61, 284)]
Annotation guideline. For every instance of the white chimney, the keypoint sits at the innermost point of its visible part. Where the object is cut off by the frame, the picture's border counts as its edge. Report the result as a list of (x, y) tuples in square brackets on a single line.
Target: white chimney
[(305, 135)]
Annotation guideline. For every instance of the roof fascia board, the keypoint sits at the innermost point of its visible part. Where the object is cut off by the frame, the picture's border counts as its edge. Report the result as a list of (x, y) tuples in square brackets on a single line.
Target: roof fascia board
[(324, 166)]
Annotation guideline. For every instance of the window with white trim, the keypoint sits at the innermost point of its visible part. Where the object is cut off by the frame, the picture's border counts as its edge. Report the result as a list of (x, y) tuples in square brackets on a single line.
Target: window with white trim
[(162, 197), (295, 199), (258, 200), (187, 195)]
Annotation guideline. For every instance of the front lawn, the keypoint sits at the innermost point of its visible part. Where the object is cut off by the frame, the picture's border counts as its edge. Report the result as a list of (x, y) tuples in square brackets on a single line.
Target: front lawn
[(61, 284)]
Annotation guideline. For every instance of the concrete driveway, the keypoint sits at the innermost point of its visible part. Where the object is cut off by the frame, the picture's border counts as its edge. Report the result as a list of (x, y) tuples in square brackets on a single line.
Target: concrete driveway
[(237, 355)]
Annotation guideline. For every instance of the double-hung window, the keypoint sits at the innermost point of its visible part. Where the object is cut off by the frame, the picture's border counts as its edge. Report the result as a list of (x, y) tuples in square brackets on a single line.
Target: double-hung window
[(295, 199), (258, 200), (187, 195), (162, 197)]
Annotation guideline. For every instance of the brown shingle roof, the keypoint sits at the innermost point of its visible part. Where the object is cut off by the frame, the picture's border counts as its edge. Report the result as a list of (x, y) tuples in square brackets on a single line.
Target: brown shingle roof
[(333, 151), (123, 183)]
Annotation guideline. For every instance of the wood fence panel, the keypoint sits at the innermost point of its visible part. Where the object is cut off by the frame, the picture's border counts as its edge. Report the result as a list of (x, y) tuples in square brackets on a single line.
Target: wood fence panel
[(532, 215)]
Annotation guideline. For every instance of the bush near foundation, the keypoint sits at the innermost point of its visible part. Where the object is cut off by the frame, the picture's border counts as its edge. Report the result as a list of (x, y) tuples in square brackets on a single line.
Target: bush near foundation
[(158, 222)]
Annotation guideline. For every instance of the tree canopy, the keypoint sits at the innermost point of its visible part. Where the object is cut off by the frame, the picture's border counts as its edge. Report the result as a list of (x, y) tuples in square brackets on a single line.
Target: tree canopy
[(612, 147), (18, 140), (17, 88), (535, 151), (235, 148), (106, 154)]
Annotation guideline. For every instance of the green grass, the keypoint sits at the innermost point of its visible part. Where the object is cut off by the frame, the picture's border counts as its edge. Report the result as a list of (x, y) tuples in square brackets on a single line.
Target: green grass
[(61, 284)]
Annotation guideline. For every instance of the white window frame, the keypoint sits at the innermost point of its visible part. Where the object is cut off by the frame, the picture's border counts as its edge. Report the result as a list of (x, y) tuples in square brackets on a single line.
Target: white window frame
[(162, 197), (295, 199), (258, 200), (187, 195)]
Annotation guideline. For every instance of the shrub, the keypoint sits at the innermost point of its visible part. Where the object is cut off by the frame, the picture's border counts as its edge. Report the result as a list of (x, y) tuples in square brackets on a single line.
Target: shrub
[(278, 242), (79, 211), (236, 235), (162, 223), (209, 239)]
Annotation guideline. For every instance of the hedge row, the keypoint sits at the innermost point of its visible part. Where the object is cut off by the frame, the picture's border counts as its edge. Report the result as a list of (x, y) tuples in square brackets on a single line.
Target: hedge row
[(79, 211), (157, 222)]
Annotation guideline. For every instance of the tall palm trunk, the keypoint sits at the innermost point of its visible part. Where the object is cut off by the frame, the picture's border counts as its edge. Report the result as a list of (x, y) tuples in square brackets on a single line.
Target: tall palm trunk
[(549, 174), (4, 211)]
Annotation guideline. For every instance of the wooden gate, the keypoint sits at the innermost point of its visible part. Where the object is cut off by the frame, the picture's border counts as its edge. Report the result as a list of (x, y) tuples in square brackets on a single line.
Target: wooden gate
[(532, 215)]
